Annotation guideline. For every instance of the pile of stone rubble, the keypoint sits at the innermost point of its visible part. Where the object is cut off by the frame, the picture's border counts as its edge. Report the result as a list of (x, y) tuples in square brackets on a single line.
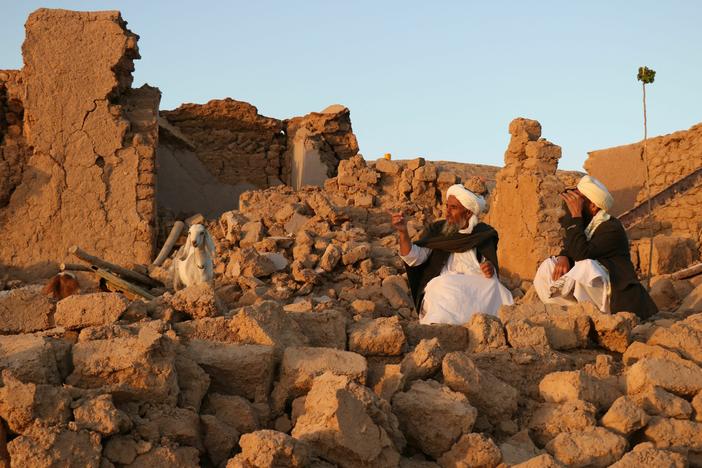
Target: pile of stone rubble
[(307, 352)]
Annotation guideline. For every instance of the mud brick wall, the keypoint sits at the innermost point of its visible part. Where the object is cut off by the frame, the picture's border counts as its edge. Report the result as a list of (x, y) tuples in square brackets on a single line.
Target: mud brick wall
[(89, 179), (525, 206), (232, 140), (671, 157)]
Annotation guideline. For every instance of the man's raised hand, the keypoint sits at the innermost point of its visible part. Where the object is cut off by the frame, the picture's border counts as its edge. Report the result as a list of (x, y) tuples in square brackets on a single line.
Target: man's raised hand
[(574, 202), (399, 222)]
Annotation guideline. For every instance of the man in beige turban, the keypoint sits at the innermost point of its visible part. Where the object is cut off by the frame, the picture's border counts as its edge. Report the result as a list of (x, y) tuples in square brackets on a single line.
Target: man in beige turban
[(452, 269), (595, 265)]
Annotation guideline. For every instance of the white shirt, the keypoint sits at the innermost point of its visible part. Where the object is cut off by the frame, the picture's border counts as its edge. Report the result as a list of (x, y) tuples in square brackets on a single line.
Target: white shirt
[(460, 290), (460, 262)]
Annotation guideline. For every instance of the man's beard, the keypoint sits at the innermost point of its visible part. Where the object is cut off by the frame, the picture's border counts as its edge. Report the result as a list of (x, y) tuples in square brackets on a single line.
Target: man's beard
[(450, 228)]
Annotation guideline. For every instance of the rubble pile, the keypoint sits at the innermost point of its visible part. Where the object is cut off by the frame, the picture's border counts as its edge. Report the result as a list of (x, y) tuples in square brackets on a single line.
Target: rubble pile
[(307, 352)]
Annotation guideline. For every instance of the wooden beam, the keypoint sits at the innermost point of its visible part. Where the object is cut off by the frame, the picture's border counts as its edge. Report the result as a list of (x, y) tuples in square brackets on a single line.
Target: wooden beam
[(74, 267), (694, 270), (117, 284), (170, 242), (105, 265)]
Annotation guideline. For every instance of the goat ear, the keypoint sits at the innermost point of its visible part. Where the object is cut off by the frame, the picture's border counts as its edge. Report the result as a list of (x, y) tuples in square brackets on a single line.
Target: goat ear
[(209, 244)]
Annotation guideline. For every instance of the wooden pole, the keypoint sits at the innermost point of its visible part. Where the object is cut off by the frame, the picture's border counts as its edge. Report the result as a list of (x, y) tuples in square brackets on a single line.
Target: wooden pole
[(170, 242), (123, 272), (687, 272), (74, 267), (647, 283)]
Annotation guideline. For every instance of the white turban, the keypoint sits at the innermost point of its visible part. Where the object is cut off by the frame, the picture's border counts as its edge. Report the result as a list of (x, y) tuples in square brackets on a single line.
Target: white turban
[(468, 199), (596, 192)]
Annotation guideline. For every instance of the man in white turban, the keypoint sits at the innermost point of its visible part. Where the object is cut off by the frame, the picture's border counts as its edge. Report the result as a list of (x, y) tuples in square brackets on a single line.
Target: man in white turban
[(595, 264), (452, 269)]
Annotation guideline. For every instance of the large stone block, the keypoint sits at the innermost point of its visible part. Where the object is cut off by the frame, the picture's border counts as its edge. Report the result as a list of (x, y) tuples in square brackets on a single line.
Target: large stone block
[(595, 447), (198, 301), (90, 310), (34, 358), (485, 333), (270, 448), (25, 310), (139, 367), (379, 337), (22, 404), (234, 369), (472, 450), (346, 424), (323, 329), (424, 361), (624, 417), (676, 376), (300, 366), (558, 387), (492, 397), (451, 337), (566, 328), (432, 416), (684, 337), (551, 419), (676, 434), (648, 456), (53, 446)]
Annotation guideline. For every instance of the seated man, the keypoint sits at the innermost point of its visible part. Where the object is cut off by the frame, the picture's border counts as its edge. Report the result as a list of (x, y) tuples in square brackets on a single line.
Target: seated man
[(595, 265), (452, 268)]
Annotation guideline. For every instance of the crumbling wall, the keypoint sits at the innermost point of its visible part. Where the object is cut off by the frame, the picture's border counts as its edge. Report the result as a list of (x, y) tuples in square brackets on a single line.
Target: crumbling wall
[(622, 171), (186, 186), (316, 144), (90, 178), (671, 157), (13, 146), (525, 206), (234, 142)]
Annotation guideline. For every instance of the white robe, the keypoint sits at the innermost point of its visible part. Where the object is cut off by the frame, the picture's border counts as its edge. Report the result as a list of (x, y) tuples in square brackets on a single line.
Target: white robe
[(460, 290), (587, 281)]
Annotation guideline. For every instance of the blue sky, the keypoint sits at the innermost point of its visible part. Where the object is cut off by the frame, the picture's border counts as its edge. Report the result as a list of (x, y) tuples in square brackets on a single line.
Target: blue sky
[(438, 79)]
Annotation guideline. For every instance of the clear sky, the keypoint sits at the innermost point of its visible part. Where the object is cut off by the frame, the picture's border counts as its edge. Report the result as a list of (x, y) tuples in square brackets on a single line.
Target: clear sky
[(438, 79)]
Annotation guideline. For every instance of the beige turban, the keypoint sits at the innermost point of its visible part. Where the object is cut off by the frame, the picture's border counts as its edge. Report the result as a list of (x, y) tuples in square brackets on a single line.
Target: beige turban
[(596, 192), (468, 199)]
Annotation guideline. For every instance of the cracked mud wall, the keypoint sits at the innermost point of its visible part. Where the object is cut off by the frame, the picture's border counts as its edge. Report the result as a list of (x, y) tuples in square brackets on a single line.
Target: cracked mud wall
[(90, 177), (525, 207)]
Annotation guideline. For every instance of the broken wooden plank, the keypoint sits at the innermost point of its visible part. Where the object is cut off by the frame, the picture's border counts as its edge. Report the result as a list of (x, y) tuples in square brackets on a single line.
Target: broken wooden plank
[(121, 271), (117, 284)]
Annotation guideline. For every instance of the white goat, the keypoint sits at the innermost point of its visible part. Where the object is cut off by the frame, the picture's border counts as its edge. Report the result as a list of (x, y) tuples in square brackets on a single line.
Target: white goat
[(193, 262)]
